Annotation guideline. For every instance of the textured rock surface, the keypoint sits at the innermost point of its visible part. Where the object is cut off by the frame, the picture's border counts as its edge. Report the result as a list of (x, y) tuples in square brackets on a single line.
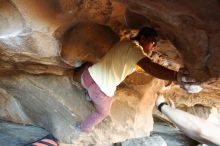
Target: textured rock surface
[(191, 26), (56, 36), (86, 41), (19, 135), (153, 140), (194, 30), (11, 110), (162, 135), (46, 102), (57, 103)]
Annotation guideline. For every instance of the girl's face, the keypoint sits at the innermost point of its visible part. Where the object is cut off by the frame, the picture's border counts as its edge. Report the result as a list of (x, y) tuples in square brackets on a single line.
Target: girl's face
[(148, 44)]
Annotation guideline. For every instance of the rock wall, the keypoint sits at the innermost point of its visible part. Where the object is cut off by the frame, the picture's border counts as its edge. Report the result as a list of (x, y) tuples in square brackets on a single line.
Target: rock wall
[(42, 44), (57, 103), (37, 26)]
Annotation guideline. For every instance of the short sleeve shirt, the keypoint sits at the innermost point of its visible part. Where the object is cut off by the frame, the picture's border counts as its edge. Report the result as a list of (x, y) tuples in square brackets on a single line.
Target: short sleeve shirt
[(118, 63)]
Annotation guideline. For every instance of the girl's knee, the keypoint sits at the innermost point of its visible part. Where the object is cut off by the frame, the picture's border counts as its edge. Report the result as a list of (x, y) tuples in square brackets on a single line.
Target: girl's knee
[(104, 113)]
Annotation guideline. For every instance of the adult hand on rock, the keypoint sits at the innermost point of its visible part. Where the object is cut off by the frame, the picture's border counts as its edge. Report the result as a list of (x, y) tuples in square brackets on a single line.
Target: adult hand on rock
[(187, 82), (183, 77)]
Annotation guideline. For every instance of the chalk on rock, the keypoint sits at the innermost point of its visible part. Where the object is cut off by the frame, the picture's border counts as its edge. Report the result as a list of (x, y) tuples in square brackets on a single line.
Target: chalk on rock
[(192, 88)]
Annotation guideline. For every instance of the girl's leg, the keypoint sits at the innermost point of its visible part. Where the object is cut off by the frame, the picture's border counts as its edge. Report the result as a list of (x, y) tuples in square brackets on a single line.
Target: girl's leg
[(102, 104), (86, 79)]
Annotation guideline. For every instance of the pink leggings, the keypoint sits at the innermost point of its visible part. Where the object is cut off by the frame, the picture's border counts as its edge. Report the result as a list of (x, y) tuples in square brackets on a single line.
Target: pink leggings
[(101, 101)]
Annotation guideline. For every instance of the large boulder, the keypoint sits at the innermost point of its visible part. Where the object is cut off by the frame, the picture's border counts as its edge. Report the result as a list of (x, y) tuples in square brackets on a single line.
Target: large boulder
[(19, 134), (57, 103), (86, 41), (162, 135), (56, 36)]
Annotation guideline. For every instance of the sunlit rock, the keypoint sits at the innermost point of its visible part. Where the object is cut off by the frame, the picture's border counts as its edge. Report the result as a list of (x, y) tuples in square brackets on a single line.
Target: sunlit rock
[(43, 42)]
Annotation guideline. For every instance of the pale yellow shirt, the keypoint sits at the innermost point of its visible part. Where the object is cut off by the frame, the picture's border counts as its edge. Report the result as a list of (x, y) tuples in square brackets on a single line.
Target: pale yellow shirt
[(118, 63)]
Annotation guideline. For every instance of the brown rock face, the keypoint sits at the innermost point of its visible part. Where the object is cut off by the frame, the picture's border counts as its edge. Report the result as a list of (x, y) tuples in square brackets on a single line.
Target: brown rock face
[(11, 20), (54, 37), (191, 26), (87, 42)]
